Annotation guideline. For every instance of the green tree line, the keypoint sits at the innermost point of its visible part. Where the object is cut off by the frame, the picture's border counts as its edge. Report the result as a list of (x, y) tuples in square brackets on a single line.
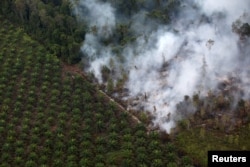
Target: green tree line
[(50, 22)]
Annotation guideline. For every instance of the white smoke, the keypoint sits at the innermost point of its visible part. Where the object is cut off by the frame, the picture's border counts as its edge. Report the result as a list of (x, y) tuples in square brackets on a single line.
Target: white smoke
[(98, 14), (101, 21), (175, 60)]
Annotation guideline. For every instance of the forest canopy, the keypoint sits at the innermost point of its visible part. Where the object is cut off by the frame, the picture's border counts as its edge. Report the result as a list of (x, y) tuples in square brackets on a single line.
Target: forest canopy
[(50, 22)]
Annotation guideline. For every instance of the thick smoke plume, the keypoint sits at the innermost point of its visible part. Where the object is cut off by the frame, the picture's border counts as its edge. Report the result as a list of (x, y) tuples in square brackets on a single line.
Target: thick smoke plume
[(101, 20), (188, 56)]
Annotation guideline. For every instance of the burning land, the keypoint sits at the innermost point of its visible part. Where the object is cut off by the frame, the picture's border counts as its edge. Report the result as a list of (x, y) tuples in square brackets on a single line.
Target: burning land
[(194, 66), (123, 82)]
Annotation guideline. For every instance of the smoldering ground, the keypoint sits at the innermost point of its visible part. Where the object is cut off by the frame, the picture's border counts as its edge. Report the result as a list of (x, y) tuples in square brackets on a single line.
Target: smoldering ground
[(189, 55)]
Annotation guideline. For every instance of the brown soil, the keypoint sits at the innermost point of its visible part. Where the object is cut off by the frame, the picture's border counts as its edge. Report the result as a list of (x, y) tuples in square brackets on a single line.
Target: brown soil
[(74, 69)]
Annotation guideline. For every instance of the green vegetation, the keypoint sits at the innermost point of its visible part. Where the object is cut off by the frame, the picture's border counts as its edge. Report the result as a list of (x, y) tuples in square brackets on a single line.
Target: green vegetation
[(50, 23), (214, 126), (54, 25), (53, 117), (197, 141)]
